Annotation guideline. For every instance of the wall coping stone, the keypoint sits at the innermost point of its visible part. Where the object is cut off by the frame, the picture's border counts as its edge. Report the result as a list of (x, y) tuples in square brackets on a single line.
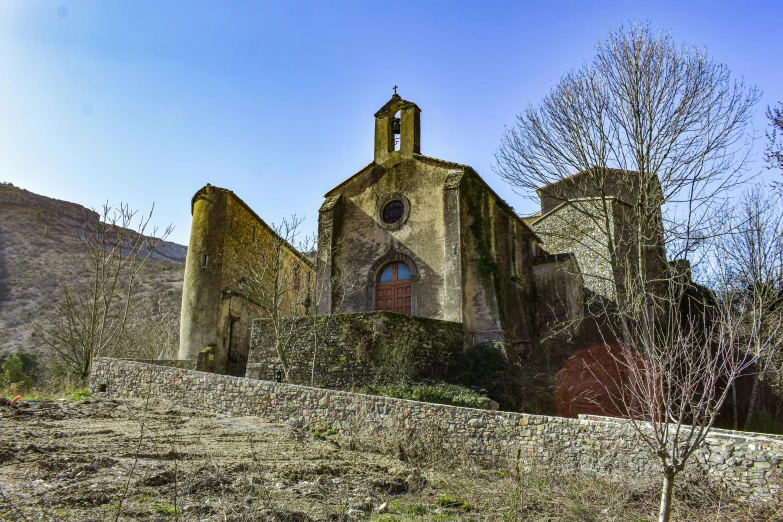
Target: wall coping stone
[(717, 432)]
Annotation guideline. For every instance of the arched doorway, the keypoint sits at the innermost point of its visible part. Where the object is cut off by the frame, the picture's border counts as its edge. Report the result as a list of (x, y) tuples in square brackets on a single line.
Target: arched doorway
[(393, 289)]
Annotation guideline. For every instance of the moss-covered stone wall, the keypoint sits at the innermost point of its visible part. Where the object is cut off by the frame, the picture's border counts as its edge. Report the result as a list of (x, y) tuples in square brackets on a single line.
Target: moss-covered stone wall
[(499, 298), (560, 309), (343, 350)]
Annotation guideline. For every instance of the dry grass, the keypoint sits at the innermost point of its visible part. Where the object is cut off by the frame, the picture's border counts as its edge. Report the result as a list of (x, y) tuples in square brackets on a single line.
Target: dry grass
[(137, 460)]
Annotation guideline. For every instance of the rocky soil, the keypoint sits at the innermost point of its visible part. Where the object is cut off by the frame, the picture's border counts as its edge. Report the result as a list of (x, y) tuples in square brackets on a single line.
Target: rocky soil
[(96, 460), (130, 460)]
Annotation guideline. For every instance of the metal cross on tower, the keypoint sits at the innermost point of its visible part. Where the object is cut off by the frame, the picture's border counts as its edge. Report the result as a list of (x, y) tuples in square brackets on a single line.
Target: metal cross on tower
[(395, 89)]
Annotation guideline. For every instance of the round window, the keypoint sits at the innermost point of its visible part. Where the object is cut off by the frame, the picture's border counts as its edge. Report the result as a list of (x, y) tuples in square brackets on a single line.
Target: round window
[(393, 211)]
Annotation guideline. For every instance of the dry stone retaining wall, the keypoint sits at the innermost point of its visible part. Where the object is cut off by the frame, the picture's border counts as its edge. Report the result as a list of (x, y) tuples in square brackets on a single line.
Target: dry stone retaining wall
[(359, 348), (746, 462)]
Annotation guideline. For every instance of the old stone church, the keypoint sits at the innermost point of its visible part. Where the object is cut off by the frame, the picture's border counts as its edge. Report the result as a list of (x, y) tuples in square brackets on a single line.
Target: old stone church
[(406, 235)]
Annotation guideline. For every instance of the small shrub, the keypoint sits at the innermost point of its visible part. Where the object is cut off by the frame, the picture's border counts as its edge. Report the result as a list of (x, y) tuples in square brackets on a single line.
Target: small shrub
[(164, 508), (486, 365), (80, 395), (20, 369), (439, 393), (451, 502), (321, 433)]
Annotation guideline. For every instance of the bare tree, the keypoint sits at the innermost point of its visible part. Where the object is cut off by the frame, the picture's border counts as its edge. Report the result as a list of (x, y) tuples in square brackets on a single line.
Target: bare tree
[(673, 394), (685, 353), (665, 113), (774, 152), (88, 318), (279, 282), (152, 328), (657, 136), (752, 258)]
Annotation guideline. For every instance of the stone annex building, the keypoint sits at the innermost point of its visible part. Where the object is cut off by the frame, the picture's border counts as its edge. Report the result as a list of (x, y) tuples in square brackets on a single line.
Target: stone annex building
[(417, 236)]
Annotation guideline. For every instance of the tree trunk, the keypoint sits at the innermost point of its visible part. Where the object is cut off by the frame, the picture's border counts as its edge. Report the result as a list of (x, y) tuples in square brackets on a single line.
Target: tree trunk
[(315, 352), (752, 401), (280, 349), (734, 403), (666, 497), (86, 369)]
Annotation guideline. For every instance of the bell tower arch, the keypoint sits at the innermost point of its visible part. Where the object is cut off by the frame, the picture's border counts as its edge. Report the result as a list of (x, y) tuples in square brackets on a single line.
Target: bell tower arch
[(397, 120)]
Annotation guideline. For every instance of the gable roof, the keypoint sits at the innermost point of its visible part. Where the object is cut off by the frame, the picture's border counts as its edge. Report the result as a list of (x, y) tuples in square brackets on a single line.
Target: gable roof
[(447, 165), (397, 100), (538, 217)]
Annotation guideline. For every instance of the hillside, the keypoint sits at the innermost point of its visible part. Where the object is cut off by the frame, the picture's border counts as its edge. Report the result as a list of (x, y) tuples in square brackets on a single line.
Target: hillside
[(39, 251)]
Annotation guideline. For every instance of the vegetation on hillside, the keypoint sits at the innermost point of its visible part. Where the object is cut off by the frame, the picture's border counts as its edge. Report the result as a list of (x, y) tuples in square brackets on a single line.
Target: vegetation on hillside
[(40, 252)]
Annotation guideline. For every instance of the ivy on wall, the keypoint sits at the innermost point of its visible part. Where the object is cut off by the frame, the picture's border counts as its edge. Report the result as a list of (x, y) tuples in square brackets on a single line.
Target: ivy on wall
[(366, 347), (480, 227)]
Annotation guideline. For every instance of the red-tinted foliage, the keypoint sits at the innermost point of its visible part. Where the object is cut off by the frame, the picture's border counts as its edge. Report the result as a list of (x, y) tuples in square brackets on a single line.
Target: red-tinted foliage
[(592, 382)]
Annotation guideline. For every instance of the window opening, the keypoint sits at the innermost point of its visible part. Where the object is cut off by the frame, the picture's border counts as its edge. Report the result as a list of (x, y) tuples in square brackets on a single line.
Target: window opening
[(204, 260), (393, 211), (394, 272), (386, 275), (396, 130)]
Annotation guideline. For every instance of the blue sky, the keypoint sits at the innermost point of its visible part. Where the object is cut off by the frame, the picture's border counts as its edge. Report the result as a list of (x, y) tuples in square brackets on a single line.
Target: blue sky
[(147, 101)]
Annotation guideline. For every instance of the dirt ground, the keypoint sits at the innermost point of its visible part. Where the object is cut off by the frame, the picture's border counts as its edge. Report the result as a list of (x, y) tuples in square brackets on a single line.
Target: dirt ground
[(98, 460)]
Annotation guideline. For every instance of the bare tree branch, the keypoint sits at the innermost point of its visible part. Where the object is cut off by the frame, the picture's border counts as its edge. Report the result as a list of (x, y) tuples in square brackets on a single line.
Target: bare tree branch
[(89, 318), (657, 136)]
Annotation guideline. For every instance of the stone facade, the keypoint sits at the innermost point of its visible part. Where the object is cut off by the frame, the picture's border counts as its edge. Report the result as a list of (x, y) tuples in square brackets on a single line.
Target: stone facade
[(580, 212), (469, 254), (468, 257), (748, 463), (336, 351), (217, 297), (563, 301)]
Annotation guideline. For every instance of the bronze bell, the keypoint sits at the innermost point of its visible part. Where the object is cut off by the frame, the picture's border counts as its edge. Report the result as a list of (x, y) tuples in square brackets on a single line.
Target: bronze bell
[(396, 126)]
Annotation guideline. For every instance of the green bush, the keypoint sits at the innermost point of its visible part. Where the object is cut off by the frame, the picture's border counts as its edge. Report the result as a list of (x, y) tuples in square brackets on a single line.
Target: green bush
[(439, 393), (764, 422), (80, 395), (20, 368), (486, 366)]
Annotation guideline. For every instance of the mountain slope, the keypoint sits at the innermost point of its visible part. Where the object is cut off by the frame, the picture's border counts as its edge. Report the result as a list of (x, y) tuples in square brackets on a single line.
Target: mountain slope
[(40, 251)]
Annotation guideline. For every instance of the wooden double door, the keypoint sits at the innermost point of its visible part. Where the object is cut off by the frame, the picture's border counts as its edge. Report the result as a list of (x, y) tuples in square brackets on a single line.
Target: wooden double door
[(393, 289)]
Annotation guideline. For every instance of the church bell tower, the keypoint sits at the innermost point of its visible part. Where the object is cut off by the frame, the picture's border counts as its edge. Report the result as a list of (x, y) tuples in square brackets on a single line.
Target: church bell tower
[(397, 131)]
